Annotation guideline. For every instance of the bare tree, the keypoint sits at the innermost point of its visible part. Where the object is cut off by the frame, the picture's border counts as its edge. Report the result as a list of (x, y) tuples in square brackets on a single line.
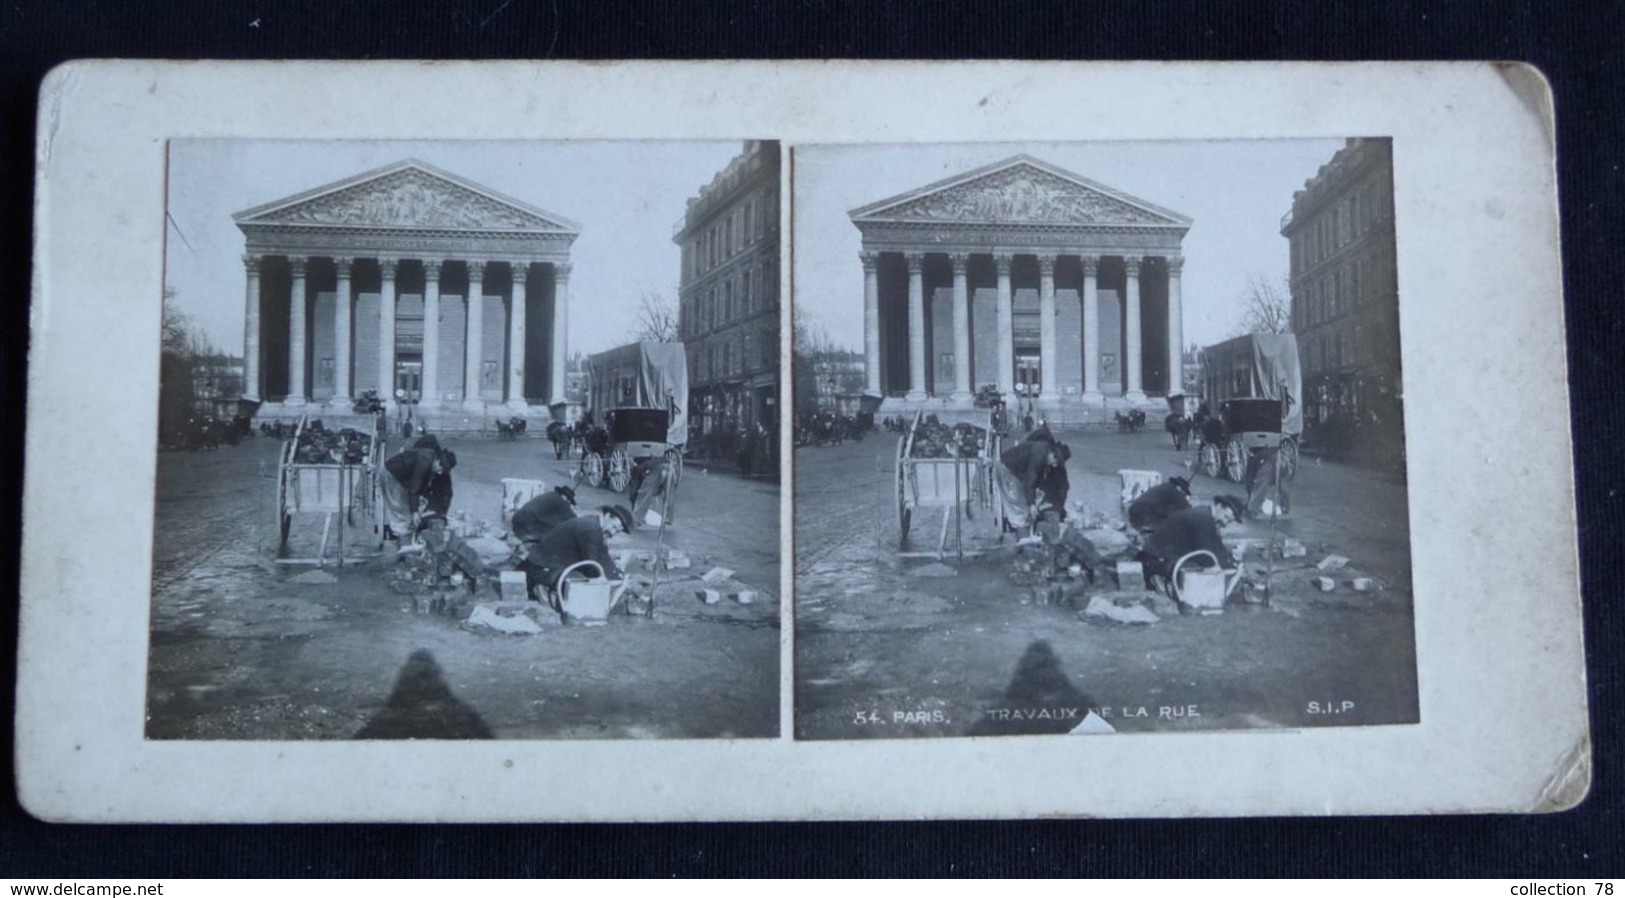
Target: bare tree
[(1266, 306), (656, 320)]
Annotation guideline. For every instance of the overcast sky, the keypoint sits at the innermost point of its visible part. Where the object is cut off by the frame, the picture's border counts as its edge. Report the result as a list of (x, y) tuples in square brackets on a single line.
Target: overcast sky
[(626, 195), (1236, 192)]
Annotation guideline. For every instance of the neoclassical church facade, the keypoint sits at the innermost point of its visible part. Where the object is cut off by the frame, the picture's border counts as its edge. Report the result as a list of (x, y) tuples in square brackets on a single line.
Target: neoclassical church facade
[(366, 284), (1020, 274)]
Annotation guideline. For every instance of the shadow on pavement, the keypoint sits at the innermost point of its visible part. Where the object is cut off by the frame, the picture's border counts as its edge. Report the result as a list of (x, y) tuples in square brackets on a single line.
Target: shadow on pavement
[(423, 707)]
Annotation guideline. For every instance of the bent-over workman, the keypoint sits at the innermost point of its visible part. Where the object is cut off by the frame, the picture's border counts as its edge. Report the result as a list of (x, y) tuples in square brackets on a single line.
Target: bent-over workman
[(405, 486), (581, 539), (1190, 530), (1020, 468)]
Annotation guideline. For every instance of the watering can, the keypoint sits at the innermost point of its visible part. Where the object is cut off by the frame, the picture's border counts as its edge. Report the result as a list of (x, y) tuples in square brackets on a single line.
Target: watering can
[(1204, 589), (588, 602)]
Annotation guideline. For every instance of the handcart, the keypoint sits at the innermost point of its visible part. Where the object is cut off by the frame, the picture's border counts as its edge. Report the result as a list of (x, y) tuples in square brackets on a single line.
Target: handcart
[(946, 460), (333, 474)]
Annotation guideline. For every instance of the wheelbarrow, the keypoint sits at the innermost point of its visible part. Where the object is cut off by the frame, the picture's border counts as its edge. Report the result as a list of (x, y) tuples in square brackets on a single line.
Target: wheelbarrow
[(587, 602), (1202, 589)]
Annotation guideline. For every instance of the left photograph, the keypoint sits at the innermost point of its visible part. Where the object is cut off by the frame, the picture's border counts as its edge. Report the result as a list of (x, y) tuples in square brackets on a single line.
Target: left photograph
[(468, 440)]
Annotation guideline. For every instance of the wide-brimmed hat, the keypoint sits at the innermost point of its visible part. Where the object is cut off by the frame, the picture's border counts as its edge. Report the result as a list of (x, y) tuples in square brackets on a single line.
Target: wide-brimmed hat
[(1237, 507), (621, 512)]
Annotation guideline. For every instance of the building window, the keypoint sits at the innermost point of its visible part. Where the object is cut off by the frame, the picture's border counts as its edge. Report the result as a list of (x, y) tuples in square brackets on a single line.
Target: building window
[(750, 295), (1355, 287), (1354, 213), (750, 216)]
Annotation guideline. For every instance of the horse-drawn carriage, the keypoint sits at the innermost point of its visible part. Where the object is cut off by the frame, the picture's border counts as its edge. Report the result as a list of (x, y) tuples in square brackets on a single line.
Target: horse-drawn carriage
[(642, 392), (1266, 414), (511, 429), (629, 436), (946, 460)]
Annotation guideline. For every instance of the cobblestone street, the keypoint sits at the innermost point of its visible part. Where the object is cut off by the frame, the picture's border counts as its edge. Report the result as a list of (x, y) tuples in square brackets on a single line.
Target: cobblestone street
[(884, 650), (241, 650)]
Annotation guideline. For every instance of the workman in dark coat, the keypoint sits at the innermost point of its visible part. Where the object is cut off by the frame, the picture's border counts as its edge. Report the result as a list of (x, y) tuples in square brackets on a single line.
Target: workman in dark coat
[(581, 539), (1053, 484), (1190, 530), (405, 487), (542, 513), (439, 491), (1022, 468), (1156, 504)]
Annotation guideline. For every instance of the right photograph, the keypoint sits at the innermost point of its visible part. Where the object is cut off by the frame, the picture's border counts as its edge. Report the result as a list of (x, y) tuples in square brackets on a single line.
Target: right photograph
[(1097, 438)]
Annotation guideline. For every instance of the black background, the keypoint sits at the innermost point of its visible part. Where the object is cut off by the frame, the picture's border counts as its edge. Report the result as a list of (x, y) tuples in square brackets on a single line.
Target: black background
[(1579, 47)]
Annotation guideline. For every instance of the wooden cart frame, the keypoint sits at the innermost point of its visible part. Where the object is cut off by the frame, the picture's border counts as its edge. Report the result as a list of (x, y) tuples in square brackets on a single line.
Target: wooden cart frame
[(348, 493), (958, 486)]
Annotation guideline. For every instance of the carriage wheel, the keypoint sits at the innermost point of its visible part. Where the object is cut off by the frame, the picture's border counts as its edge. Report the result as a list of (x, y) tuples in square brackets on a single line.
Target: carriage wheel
[(1208, 459), (284, 518), (620, 469), (674, 467), (592, 469), (1235, 461), (1289, 457)]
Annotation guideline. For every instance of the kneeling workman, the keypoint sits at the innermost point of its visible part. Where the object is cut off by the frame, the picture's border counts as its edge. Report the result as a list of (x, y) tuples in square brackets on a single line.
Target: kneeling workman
[(535, 518), (580, 539), (1190, 530)]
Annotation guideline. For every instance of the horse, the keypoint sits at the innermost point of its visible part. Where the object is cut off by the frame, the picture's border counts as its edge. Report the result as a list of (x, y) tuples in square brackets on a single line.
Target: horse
[(1179, 427), (561, 435)]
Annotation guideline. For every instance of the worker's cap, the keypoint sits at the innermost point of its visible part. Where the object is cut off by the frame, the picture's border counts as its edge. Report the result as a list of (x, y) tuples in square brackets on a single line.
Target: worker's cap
[(621, 512), (568, 493)]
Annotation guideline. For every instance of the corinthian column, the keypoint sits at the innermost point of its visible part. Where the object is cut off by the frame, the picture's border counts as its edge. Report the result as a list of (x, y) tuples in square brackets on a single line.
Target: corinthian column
[(341, 335), (474, 351), (1007, 328), (1176, 328), (516, 339), (1131, 318), (386, 331), (251, 330), (916, 325), (561, 327), (1091, 329), (296, 333), (1046, 332), (961, 327), (871, 322), (431, 334)]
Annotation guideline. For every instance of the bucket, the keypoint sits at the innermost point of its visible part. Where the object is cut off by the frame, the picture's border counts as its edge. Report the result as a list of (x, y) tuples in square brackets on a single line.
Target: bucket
[(516, 491)]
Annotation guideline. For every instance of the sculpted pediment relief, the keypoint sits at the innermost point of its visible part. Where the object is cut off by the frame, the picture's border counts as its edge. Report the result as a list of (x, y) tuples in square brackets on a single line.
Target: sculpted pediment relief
[(407, 198), (1018, 194)]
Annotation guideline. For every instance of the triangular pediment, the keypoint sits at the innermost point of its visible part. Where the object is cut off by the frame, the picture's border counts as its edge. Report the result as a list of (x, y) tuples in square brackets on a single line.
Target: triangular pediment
[(407, 195), (1020, 190)]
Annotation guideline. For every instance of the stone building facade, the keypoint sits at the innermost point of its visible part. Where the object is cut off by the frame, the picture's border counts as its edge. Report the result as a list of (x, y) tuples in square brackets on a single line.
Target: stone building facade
[(1053, 288), (363, 285), (1345, 301), (728, 299)]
